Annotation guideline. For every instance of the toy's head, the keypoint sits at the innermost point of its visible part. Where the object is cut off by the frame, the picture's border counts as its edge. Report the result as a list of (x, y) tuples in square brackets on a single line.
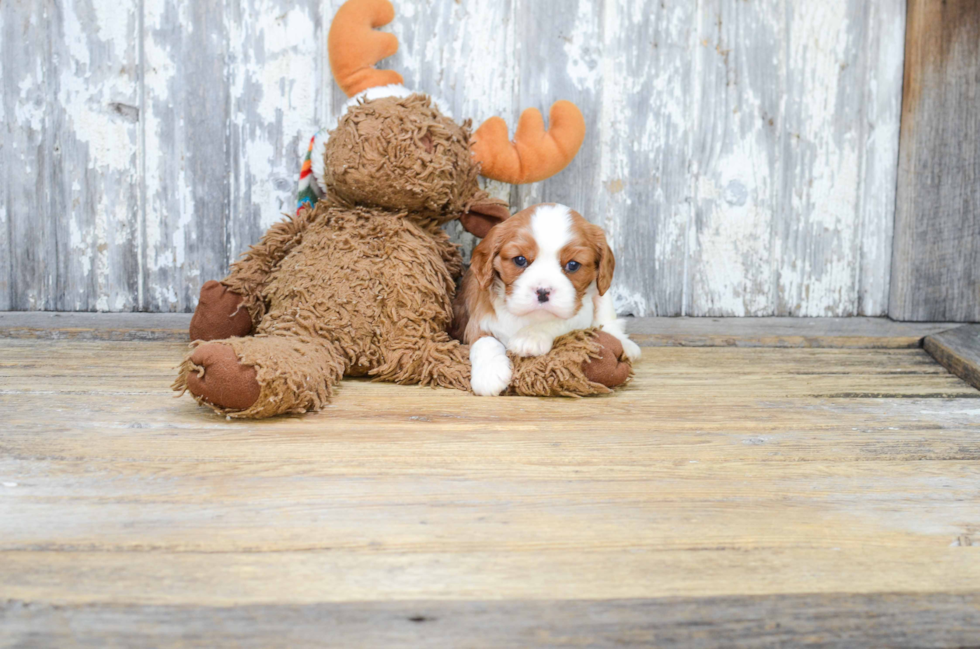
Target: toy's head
[(396, 149), (402, 153)]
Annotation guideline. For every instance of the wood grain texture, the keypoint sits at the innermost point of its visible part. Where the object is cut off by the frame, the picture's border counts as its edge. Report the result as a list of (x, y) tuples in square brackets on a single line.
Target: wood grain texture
[(798, 495), (187, 170), (784, 152), (958, 350), (6, 234), (222, 152), (646, 170), (857, 332), (742, 156), (70, 211), (936, 267), (794, 620), (465, 53), (832, 333)]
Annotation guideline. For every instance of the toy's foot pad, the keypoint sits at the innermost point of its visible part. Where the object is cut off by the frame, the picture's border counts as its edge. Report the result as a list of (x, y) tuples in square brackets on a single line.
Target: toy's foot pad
[(219, 314), (607, 369), (221, 379)]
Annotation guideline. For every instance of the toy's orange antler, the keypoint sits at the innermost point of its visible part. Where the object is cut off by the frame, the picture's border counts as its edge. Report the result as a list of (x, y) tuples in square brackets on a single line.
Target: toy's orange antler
[(355, 47), (534, 154)]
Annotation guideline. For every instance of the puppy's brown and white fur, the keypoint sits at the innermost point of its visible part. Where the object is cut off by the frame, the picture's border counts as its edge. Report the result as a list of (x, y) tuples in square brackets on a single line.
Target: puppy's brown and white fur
[(540, 274)]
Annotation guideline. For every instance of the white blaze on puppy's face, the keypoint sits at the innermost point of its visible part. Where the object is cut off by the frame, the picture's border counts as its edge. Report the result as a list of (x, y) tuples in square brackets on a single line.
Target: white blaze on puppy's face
[(538, 275), (542, 287), (542, 261)]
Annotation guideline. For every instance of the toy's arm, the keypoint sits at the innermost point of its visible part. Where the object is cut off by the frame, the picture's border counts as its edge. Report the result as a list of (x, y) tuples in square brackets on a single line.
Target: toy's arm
[(234, 306), (581, 363), (250, 273)]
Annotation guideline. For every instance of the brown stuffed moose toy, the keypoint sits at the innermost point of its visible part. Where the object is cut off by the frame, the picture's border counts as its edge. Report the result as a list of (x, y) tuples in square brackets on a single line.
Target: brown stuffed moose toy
[(361, 282)]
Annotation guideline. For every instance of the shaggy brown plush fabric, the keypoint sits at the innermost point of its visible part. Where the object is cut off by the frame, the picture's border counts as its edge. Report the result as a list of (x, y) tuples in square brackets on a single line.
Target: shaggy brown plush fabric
[(362, 284), (582, 366), (404, 155)]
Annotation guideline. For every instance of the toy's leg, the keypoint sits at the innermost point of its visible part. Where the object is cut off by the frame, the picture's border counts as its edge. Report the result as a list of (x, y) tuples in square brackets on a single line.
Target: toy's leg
[(262, 376), (579, 364), (611, 367), (219, 314), (432, 359)]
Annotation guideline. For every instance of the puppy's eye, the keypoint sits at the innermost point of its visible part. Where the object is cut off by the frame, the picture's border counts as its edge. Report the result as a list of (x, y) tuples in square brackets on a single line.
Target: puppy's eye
[(520, 261), (572, 266)]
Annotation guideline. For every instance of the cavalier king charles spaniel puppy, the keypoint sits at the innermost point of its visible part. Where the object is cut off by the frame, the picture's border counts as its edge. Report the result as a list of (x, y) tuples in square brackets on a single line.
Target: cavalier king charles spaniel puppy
[(540, 274)]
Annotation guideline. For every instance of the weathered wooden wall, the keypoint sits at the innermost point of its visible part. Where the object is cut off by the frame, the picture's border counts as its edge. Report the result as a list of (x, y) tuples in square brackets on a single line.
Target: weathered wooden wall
[(936, 267), (742, 155)]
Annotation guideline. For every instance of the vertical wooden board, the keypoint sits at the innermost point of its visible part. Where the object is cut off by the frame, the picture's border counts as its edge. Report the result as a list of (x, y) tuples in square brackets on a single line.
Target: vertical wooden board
[(560, 57), (736, 163), (24, 60), (816, 247), (273, 71), (644, 139), (936, 256), (793, 164), (70, 98), (187, 108), (6, 265), (882, 87), (332, 97), (464, 54)]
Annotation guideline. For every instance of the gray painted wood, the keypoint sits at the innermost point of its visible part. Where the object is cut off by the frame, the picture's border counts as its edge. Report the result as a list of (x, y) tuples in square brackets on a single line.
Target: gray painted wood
[(481, 31), (222, 153), (786, 145), (937, 223), (69, 156), (817, 620), (187, 173), (742, 156), (841, 333), (837, 333), (275, 92), (734, 166), (958, 350), (6, 260), (645, 170), (48, 325)]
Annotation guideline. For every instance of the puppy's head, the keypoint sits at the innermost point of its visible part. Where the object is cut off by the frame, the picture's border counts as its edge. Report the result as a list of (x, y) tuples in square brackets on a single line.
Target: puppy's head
[(546, 258)]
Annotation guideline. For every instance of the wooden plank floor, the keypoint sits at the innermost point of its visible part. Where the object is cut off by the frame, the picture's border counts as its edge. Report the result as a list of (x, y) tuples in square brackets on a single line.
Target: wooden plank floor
[(730, 496)]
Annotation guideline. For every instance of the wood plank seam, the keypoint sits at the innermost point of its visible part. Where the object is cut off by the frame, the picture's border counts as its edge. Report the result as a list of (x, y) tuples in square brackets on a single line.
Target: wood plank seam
[(958, 350), (855, 333)]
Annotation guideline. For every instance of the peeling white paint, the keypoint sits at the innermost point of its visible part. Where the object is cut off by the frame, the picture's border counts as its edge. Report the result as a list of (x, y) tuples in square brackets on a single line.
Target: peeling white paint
[(740, 158), (581, 48), (287, 78), (27, 112), (735, 213), (628, 303)]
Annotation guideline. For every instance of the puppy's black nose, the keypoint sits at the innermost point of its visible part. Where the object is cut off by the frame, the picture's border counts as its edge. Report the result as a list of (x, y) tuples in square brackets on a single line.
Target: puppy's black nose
[(543, 294)]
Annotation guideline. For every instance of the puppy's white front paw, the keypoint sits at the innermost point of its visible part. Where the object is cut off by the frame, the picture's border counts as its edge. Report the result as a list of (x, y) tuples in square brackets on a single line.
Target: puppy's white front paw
[(491, 372), (631, 349), (530, 344)]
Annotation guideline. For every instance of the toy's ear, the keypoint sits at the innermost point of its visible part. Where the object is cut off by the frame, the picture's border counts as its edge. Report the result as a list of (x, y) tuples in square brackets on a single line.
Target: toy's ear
[(483, 214)]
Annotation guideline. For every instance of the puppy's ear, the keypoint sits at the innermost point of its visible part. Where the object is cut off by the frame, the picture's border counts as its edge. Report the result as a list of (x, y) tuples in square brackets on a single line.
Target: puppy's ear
[(484, 213), (481, 262), (605, 260)]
